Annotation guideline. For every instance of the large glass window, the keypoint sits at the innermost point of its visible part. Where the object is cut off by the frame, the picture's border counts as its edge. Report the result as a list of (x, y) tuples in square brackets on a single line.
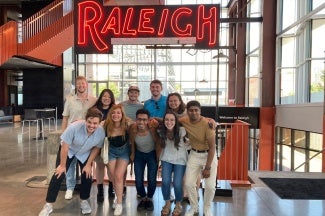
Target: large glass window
[(298, 151)]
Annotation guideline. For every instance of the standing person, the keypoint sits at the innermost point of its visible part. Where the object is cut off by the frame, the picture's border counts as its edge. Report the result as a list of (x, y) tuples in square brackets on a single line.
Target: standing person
[(105, 101), (173, 160), (132, 104), (176, 104), (156, 105), (75, 108), (81, 140), (144, 152), (202, 158), (130, 107), (119, 151)]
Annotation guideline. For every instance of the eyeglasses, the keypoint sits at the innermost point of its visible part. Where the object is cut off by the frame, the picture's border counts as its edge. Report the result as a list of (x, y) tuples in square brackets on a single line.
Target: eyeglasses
[(142, 119), (157, 107)]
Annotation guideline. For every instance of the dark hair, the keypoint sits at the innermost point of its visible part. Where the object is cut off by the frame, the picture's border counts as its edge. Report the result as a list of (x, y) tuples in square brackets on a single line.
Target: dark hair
[(181, 107), (162, 131), (99, 103), (156, 81), (142, 111), (193, 103), (93, 112)]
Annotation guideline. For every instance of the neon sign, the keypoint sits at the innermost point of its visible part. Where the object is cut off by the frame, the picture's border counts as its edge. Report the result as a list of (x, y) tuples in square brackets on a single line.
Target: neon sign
[(96, 25)]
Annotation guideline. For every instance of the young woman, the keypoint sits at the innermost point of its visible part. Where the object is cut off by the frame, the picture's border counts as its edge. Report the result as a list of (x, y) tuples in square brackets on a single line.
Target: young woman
[(176, 104), (105, 101), (173, 160), (119, 151)]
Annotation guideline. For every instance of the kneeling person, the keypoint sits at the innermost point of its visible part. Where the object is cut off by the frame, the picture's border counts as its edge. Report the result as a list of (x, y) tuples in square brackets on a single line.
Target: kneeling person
[(82, 140)]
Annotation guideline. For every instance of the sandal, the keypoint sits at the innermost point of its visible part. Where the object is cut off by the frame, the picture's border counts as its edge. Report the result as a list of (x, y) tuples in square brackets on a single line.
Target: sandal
[(177, 210), (165, 210)]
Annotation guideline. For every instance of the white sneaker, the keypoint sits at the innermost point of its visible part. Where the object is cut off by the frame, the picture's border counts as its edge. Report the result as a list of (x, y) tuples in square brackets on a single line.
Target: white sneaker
[(47, 210), (85, 207), (118, 209), (192, 211), (68, 194)]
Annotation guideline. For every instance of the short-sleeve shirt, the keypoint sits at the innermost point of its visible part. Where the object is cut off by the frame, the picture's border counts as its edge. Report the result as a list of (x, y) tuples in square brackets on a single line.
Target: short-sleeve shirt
[(156, 108), (76, 109), (198, 133), (171, 155), (80, 144), (131, 109)]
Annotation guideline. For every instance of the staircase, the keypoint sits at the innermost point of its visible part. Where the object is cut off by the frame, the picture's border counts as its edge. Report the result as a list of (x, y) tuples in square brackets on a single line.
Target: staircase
[(45, 35)]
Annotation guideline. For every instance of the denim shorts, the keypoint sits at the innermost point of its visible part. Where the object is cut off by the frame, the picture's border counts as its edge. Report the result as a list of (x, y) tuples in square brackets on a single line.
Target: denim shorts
[(122, 152)]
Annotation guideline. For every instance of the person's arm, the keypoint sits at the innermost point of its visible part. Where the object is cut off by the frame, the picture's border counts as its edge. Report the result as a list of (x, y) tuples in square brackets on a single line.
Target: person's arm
[(212, 150), (132, 132), (64, 123), (61, 168), (87, 168)]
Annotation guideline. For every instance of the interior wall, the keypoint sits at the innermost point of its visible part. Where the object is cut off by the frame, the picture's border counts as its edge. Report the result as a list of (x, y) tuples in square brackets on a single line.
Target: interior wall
[(43, 88), (307, 117)]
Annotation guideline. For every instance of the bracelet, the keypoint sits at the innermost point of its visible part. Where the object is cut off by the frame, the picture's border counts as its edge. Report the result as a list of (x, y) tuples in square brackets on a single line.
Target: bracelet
[(207, 168)]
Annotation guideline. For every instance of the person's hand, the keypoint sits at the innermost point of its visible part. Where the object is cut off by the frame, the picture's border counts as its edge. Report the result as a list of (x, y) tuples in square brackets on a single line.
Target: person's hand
[(59, 170), (206, 173), (153, 123), (212, 123), (87, 170), (132, 157)]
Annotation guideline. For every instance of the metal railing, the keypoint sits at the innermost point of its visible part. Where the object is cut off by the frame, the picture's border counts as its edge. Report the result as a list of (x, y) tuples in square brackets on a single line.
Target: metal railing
[(232, 150)]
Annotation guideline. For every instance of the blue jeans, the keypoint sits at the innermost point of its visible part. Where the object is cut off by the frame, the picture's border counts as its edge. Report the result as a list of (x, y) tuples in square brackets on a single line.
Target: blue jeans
[(167, 173), (71, 175), (141, 160)]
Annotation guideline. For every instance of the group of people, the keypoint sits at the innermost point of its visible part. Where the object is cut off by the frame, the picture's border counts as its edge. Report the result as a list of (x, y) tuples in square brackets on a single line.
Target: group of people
[(162, 130)]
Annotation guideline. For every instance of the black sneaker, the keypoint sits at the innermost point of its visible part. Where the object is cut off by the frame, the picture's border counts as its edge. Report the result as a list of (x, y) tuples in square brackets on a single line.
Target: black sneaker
[(142, 205), (186, 200), (149, 205)]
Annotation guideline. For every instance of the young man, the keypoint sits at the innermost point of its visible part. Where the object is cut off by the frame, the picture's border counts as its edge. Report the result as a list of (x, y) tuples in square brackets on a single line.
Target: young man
[(156, 105), (75, 108), (82, 141), (132, 104), (202, 158), (144, 151)]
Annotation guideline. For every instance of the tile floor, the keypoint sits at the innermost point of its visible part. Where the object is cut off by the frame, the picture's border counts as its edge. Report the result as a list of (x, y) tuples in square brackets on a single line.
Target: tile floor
[(22, 159)]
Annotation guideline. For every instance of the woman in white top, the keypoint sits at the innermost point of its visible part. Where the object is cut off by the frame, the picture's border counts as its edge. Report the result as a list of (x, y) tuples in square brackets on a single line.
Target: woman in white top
[(173, 160)]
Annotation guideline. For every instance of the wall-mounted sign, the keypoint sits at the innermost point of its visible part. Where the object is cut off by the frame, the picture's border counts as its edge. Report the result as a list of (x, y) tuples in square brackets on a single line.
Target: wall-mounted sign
[(250, 115), (246, 114), (95, 24)]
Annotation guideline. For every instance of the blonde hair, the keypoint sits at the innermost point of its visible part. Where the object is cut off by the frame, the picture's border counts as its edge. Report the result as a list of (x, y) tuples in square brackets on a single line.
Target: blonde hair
[(109, 122)]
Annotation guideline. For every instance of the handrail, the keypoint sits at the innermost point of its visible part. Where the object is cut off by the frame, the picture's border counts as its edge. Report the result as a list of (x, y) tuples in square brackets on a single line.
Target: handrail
[(42, 19), (309, 159)]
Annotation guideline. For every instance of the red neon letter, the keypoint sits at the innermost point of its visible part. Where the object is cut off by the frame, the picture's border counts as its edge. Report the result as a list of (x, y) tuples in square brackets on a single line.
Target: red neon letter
[(175, 22), (128, 18), (113, 22), (144, 21), (162, 24), (90, 15), (210, 22)]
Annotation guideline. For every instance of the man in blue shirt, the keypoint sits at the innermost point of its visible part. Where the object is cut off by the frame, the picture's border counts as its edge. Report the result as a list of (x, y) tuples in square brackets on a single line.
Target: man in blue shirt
[(81, 140), (156, 105)]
